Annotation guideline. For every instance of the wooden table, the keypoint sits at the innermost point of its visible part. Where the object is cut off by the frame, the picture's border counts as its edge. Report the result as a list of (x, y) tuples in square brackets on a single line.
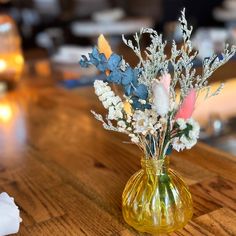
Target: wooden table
[(67, 174)]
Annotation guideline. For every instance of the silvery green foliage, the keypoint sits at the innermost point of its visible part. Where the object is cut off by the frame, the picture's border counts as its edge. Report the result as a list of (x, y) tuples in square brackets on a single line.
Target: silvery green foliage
[(155, 61), (181, 61)]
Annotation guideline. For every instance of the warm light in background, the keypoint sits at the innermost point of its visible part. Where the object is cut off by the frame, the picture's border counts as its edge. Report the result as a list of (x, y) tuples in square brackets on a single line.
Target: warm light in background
[(19, 59), (3, 65), (12, 119), (12, 61), (6, 112)]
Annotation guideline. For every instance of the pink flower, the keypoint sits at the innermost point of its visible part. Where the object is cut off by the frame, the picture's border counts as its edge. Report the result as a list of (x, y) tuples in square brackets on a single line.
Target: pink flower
[(187, 107)]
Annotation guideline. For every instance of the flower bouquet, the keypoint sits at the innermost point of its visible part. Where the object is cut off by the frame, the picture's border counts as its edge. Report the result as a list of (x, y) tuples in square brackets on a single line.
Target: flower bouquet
[(156, 113)]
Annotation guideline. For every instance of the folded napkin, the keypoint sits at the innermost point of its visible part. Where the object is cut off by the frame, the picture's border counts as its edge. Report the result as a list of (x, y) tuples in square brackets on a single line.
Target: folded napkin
[(9, 215)]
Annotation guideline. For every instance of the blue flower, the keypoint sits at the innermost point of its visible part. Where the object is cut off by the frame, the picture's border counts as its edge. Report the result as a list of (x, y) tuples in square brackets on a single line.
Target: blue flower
[(129, 89), (102, 63), (141, 91), (95, 58), (128, 76), (138, 105), (84, 62), (138, 72), (115, 77), (135, 103), (114, 62)]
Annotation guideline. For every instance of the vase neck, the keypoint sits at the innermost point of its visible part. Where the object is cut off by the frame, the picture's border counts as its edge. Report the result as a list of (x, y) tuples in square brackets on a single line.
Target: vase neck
[(155, 166)]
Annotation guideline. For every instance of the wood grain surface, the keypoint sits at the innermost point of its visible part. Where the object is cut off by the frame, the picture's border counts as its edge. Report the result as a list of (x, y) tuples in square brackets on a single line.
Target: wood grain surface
[(67, 173)]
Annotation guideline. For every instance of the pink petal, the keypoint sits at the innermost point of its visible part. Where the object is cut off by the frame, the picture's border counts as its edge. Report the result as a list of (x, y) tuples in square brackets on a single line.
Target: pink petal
[(187, 107), (165, 80)]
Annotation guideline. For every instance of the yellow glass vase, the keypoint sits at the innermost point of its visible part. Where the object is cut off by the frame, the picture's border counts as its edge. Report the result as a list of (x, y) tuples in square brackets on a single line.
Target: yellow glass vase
[(155, 199)]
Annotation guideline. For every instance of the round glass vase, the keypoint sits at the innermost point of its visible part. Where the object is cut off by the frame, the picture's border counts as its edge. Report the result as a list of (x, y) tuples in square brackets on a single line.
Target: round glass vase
[(156, 199)]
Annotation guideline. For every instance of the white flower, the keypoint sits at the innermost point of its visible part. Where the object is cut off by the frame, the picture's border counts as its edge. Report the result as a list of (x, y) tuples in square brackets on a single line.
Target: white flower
[(109, 100), (119, 106), (106, 95), (128, 119), (177, 144), (101, 87), (182, 124), (121, 123), (141, 121), (195, 130), (107, 103), (9, 215), (181, 143), (193, 134), (116, 100), (186, 140), (142, 101), (121, 126), (134, 138), (189, 143), (145, 122), (160, 98), (195, 127), (114, 114)]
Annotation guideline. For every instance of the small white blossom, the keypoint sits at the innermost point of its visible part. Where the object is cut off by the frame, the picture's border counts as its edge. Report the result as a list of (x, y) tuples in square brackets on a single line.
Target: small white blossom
[(107, 103), (115, 100), (145, 122), (121, 126), (181, 123), (142, 101), (128, 119), (101, 87), (134, 138), (114, 114), (178, 145), (109, 100), (121, 123), (194, 124), (106, 95), (186, 140)]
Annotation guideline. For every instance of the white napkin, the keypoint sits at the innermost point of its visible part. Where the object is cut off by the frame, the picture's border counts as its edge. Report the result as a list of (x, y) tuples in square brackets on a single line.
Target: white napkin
[(9, 215)]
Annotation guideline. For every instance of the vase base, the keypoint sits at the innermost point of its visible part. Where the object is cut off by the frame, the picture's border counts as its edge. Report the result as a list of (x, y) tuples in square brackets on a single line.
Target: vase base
[(158, 229)]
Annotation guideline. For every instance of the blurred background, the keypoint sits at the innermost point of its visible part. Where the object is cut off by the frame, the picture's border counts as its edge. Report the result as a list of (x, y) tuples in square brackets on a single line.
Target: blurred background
[(49, 24), (41, 42)]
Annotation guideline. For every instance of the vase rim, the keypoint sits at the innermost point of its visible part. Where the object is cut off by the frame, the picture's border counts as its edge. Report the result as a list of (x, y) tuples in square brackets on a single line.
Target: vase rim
[(155, 164)]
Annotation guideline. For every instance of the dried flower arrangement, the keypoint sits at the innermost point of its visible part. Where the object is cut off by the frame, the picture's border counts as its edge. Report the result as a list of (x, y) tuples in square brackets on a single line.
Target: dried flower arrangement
[(152, 113)]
